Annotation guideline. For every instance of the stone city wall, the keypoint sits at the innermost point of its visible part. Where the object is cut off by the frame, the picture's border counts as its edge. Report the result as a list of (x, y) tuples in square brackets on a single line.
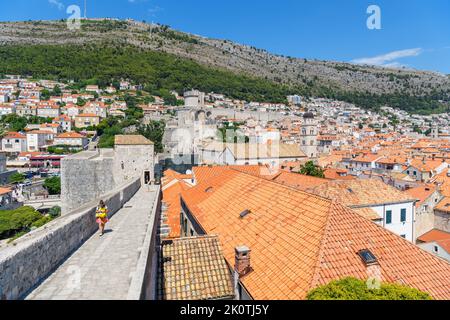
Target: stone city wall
[(85, 177), (144, 283), (36, 255)]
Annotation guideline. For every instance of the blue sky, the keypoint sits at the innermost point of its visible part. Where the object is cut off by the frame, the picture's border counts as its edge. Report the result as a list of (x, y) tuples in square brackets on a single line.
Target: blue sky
[(414, 33)]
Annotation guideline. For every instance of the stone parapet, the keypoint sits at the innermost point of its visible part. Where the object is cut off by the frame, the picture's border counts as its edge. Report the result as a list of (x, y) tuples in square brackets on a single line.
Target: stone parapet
[(29, 260)]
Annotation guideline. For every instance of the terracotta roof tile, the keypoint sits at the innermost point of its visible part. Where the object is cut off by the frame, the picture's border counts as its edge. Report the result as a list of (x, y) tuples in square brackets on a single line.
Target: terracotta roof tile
[(14, 135), (442, 238), (132, 140), (299, 240), (421, 193), (70, 135), (194, 269), (361, 192)]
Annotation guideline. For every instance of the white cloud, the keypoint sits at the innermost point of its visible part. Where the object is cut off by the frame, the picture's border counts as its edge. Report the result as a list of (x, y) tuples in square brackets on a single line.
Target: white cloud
[(154, 10), (57, 3), (389, 59)]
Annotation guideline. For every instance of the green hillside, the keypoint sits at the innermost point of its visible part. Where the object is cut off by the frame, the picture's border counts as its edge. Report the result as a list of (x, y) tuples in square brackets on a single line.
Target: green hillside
[(104, 63)]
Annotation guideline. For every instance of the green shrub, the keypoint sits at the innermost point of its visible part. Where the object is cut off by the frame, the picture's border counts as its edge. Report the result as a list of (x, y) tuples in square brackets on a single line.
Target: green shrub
[(55, 212), (39, 223), (310, 169), (53, 185), (16, 221), (16, 178), (355, 289)]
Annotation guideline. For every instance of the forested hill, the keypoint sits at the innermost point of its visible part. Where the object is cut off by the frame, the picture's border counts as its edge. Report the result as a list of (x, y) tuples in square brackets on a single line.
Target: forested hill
[(160, 57)]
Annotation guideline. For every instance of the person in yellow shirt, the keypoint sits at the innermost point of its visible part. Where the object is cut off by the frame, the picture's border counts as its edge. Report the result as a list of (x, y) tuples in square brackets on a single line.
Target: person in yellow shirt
[(102, 217)]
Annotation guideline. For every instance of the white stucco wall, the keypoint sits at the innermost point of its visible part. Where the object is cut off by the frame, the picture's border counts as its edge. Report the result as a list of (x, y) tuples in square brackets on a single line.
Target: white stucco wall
[(398, 227), (432, 246)]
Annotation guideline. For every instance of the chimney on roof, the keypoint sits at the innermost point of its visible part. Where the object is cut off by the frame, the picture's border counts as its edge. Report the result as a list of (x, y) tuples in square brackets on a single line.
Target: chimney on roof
[(242, 261), (241, 268)]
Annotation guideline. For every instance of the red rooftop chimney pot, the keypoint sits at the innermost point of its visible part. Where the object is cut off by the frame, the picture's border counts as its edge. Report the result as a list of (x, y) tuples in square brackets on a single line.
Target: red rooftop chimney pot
[(242, 260)]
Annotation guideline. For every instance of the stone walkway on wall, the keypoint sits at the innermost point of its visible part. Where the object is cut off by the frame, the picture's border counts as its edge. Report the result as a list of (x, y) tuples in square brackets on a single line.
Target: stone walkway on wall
[(102, 268)]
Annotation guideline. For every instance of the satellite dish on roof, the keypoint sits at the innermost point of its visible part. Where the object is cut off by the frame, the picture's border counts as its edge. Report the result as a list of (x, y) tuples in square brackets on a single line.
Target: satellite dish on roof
[(188, 172)]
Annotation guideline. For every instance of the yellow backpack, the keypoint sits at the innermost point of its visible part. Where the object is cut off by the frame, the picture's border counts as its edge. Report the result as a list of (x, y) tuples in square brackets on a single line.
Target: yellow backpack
[(101, 213)]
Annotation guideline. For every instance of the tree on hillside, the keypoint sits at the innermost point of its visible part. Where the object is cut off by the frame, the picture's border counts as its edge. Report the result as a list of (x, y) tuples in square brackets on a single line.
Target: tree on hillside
[(53, 185), (45, 94), (16, 178), (56, 91), (16, 221), (154, 131), (81, 102), (310, 169), (14, 122), (355, 289)]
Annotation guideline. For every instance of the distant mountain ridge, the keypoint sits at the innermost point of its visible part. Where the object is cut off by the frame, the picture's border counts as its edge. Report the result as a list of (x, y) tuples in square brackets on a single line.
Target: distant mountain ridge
[(240, 59)]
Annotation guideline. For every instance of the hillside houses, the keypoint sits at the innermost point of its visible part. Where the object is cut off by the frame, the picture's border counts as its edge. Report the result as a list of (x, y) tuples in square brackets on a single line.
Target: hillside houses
[(71, 139), (14, 142)]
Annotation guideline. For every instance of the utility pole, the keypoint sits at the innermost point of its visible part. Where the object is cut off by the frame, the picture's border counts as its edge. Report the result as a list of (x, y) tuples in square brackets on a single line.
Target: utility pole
[(85, 9)]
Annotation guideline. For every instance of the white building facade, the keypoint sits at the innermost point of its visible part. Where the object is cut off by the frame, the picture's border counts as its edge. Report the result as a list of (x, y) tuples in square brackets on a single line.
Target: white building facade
[(398, 218)]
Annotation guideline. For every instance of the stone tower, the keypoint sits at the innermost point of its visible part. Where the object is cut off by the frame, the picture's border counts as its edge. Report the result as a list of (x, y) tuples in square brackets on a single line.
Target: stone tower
[(194, 99), (88, 175), (308, 135), (435, 131)]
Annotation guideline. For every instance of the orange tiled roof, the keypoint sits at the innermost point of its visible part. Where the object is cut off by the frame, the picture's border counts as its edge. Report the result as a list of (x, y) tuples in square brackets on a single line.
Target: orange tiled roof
[(440, 237), (359, 192), (68, 135), (392, 160), (170, 174), (329, 160), (88, 115), (366, 158), (14, 135), (368, 213), (132, 140), (194, 269), (427, 165), (444, 205), (298, 181), (62, 118), (206, 172), (49, 125), (31, 154), (299, 241), (4, 191), (421, 193), (171, 197), (334, 174), (434, 235)]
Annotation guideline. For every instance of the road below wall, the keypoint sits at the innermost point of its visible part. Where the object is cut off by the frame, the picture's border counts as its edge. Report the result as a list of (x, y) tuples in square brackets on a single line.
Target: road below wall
[(103, 267)]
